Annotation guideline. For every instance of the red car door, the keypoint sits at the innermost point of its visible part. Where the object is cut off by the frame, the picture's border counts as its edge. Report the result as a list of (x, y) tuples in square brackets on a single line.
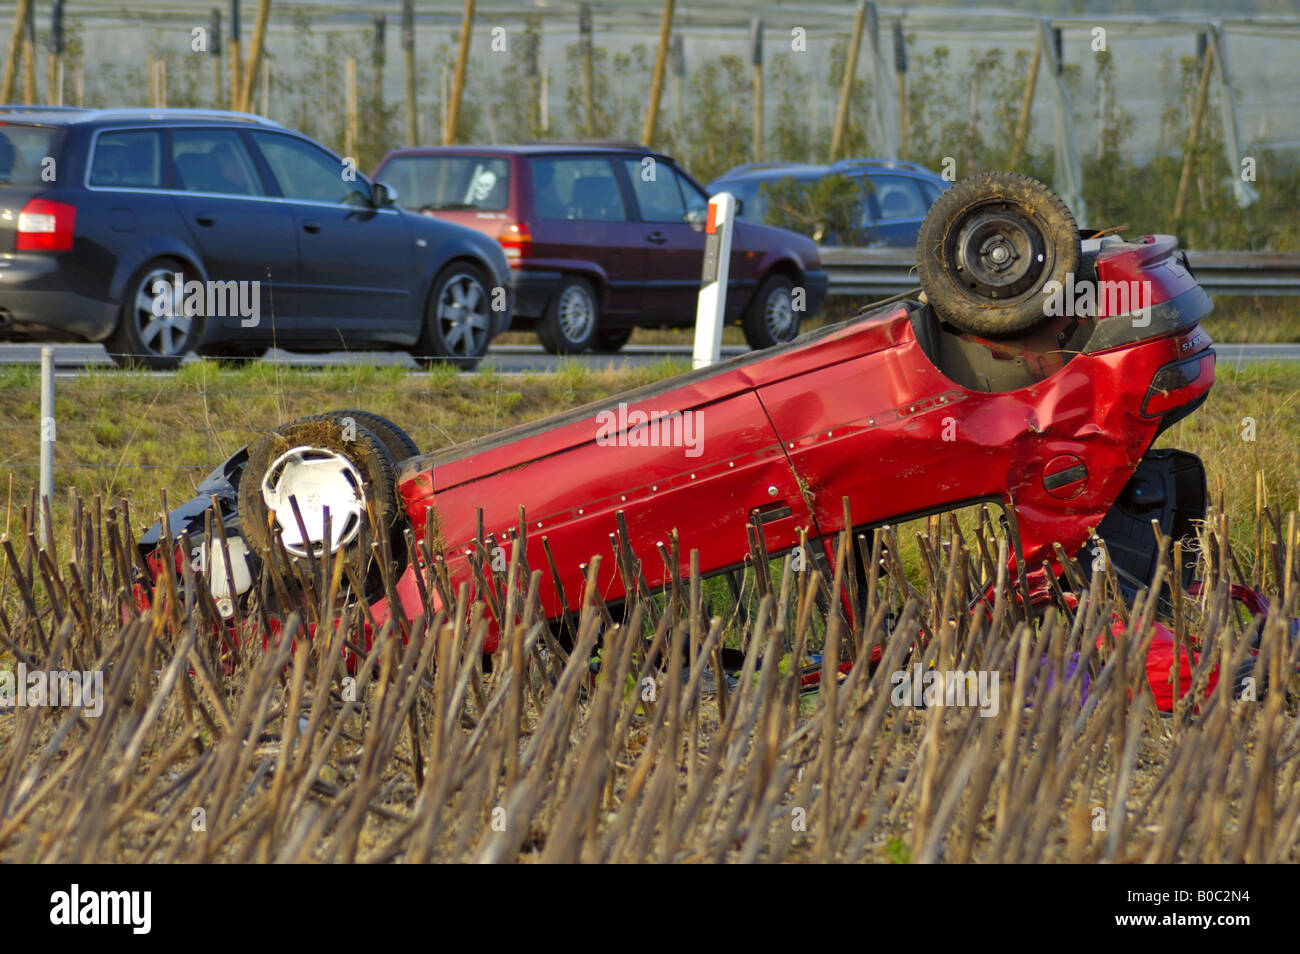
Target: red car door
[(700, 460)]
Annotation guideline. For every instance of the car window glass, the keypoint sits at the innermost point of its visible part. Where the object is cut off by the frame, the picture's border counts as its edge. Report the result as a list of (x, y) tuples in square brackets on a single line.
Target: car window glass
[(308, 173), (128, 159), (213, 160), (658, 191), (24, 151), (580, 189), (697, 203), (898, 197), (440, 183), (931, 191)]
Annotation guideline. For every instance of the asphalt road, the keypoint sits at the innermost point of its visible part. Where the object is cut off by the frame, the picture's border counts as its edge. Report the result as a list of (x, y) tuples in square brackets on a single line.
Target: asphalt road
[(70, 359)]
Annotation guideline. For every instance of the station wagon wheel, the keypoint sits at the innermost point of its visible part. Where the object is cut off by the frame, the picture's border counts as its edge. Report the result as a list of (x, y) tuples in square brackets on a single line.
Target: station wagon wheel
[(153, 329), (569, 325), (458, 318), (988, 248), (771, 319)]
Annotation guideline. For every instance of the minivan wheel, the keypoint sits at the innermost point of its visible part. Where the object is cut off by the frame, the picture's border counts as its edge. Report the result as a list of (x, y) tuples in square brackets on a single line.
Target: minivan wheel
[(457, 318), (145, 339), (771, 318), (610, 340), (569, 325)]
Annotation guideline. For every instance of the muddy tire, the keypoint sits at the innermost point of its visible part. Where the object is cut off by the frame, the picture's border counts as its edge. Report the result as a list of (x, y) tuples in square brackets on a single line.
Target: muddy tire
[(988, 247), (399, 443), (319, 463)]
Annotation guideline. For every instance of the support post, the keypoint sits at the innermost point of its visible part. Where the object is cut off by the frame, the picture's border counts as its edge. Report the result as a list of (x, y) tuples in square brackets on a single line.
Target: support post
[(458, 77), (1068, 175), (236, 62), (756, 61), (408, 55), (657, 80), (588, 80), (1026, 106), (47, 441), (846, 86), (21, 12), (255, 56)]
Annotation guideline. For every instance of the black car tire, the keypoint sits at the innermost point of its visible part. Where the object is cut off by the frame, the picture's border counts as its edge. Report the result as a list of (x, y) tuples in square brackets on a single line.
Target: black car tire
[(572, 315), (987, 248), (144, 340), (610, 340), (770, 318), (321, 435), (458, 318)]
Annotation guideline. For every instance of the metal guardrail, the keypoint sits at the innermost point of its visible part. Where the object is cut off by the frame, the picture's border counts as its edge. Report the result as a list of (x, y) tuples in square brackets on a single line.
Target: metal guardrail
[(871, 271)]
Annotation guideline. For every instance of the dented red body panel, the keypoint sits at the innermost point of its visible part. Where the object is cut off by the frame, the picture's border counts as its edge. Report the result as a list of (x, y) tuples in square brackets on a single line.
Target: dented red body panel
[(860, 412)]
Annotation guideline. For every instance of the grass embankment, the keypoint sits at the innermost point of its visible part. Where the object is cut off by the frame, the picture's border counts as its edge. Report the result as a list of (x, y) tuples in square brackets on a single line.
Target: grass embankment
[(135, 436)]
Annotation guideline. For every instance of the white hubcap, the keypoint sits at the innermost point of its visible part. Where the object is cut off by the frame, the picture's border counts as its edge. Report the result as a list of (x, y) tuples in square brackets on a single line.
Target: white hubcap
[(318, 479)]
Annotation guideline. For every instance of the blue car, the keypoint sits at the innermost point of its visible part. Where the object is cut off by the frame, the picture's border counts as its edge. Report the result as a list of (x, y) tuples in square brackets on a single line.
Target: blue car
[(161, 232), (895, 196)]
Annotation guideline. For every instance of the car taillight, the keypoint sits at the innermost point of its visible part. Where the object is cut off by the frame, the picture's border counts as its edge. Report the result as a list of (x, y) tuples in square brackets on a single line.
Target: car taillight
[(516, 240), (45, 226), (1180, 383)]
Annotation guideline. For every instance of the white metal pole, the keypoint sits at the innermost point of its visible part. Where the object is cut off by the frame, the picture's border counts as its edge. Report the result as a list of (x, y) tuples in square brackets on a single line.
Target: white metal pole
[(712, 307), (47, 440)]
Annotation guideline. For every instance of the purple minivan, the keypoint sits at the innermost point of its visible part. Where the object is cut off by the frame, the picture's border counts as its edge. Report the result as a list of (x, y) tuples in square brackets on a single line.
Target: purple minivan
[(602, 239)]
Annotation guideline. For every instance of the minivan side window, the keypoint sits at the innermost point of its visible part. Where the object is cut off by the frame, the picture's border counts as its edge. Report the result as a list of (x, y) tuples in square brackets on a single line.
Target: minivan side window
[(308, 173), (128, 159), (214, 161), (658, 191), (579, 189)]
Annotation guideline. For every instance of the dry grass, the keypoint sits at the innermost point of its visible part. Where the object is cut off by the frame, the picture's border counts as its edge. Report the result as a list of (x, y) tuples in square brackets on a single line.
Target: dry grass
[(317, 749)]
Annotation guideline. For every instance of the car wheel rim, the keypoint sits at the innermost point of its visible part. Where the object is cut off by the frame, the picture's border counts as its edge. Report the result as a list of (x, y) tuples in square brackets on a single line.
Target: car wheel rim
[(463, 315), (317, 479), (161, 319), (998, 253), (576, 313), (778, 313)]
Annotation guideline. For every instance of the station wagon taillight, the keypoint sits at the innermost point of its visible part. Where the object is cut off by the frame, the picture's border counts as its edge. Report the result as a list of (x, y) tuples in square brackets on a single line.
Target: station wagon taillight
[(516, 240), (45, 226)]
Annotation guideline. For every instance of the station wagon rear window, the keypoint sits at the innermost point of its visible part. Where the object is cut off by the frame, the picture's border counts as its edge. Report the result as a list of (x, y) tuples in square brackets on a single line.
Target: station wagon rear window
[(128, 159), (444, 183), (23, 153)]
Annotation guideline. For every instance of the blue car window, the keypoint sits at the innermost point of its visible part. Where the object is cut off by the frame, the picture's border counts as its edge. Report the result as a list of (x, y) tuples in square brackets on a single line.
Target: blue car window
[(577, 189), (214, 161), (129, 159), (897, 197), (309, 173)]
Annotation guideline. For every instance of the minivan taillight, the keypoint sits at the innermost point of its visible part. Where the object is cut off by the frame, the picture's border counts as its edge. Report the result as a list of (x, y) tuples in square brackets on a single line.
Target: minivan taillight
[(45, 226), (516, 240)]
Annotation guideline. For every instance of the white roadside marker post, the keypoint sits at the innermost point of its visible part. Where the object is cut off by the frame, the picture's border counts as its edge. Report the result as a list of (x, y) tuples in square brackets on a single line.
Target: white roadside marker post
[(47, 444), (712, 306)]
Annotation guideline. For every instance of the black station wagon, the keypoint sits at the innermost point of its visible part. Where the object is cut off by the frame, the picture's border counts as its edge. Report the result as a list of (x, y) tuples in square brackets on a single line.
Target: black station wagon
[(160, 232)]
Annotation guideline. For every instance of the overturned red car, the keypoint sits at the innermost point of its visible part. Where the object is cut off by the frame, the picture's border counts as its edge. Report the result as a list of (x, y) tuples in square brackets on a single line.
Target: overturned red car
[(1035, 369)]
